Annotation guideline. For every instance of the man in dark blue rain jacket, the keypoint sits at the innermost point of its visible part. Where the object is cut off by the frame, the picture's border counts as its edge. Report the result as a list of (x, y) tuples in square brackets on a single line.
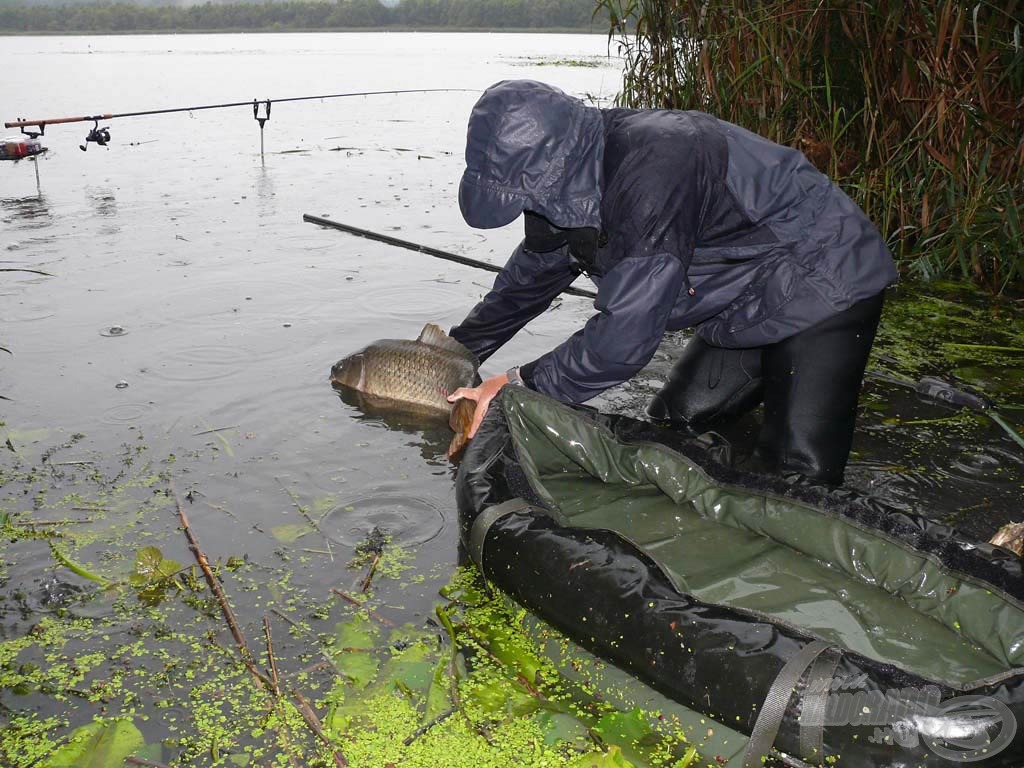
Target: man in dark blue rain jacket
[(682, 220)]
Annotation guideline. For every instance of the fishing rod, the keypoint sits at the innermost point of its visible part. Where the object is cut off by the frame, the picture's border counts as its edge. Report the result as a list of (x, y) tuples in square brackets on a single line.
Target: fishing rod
[(101, 136), (435, 252), (945, 392)]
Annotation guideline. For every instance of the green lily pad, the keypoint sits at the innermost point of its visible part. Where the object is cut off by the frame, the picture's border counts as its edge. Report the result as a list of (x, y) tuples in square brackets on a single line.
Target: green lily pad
[(353, 654), (100, 744)]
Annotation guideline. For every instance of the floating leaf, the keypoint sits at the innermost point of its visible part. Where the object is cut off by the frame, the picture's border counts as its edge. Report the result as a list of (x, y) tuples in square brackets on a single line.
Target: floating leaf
[(322, 507), (562, 728), (100, 744), (502, 697), (613, 758), (439, 692), (152, 568), (354, 643), (630, 731), (289, 534), (360, 668), (75, 567), (504, 645), (466, 593), (623, 727), (356, 633), (687, 759), (342, 716), (411, 669)]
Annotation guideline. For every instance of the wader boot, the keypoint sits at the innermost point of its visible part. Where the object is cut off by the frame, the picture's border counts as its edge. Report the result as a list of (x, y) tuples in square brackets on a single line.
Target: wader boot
[(809, 384)]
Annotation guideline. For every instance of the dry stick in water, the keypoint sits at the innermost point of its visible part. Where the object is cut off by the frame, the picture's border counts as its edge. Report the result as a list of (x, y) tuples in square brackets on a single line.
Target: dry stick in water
[(270, 655), (277, 689), (369, 575), (314, 724), (349, 599), (302, 511), (327, 658), (50, 522), (427, 726), (211, 579)]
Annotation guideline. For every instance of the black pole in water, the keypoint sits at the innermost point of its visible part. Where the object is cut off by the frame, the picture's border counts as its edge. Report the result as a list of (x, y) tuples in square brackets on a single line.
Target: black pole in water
[(435, 252), (947, 393)]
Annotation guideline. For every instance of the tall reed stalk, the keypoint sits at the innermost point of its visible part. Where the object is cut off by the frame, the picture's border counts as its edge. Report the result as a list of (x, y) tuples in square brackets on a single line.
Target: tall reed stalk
[(915, 107)]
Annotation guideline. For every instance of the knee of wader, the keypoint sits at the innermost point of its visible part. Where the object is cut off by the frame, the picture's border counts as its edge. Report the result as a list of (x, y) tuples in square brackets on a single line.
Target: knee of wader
[(674, 404), (658, 409)]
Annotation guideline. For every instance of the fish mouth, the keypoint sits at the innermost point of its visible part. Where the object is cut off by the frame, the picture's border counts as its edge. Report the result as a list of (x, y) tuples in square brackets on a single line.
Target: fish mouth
[(335, 371)]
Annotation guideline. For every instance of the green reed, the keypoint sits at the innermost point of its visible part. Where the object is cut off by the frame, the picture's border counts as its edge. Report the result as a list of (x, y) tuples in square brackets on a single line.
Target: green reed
[(916, 108)]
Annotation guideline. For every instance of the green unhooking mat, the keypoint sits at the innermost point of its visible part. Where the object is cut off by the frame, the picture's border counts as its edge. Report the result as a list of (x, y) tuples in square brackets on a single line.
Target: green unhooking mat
[(819, 622)]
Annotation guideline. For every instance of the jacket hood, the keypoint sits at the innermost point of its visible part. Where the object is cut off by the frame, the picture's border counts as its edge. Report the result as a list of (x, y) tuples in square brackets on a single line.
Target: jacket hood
[(532, 147)]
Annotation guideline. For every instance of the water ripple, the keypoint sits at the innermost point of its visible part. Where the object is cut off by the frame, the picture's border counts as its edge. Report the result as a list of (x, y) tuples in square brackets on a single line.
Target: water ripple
[(420, 301), (409, 521), (205, 363), (126, 413)]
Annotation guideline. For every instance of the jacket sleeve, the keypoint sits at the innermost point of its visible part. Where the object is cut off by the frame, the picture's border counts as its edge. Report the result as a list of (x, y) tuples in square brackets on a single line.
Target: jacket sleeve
[(652, 208), (634, 302), (523, 290)]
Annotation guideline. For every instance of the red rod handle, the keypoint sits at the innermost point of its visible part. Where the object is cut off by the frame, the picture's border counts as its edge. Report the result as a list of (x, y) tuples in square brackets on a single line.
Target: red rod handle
[(55, 121)]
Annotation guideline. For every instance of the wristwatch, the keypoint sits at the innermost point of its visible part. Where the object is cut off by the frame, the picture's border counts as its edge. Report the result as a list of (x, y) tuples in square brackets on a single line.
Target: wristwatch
[(514, 378)]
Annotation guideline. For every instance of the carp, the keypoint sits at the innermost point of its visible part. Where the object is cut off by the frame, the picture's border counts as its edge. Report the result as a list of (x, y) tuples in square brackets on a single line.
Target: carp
[(417, 376)]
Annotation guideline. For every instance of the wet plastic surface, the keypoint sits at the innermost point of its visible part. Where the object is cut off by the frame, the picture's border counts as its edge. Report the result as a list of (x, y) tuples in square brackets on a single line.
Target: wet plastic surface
[(724, 565), (617, 601)]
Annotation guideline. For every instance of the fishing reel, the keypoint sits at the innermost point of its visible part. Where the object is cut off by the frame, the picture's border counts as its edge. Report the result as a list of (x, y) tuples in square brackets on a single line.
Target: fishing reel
[(99, 135)]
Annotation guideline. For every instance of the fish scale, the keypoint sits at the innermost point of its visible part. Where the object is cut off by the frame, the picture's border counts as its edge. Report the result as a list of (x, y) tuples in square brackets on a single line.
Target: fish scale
[(414, 374)]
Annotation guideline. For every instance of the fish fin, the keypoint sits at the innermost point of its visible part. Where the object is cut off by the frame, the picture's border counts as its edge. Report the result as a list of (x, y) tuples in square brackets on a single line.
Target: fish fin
[(456, 446), (460, 420), (433, 336)]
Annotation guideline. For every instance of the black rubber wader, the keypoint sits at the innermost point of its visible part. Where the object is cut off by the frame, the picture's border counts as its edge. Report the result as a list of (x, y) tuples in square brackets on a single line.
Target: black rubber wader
[(809, 385)]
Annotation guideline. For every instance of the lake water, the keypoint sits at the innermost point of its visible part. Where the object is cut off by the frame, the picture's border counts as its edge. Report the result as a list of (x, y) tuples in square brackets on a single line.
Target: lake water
[(228, 310), (232, 308)]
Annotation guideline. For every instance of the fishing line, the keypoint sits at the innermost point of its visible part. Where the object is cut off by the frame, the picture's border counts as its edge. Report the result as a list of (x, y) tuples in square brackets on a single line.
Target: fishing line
[(101, 136)]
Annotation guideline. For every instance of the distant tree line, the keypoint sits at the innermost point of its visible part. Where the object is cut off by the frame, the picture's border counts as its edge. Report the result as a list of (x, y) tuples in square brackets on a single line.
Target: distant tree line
[(343, 14)]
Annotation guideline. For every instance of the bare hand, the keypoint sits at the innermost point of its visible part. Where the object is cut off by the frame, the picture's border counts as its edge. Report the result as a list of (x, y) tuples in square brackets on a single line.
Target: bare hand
[(482, 395)]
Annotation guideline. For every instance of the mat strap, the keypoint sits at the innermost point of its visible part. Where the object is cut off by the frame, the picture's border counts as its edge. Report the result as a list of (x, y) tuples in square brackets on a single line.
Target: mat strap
[(483, 524), (776, 703)]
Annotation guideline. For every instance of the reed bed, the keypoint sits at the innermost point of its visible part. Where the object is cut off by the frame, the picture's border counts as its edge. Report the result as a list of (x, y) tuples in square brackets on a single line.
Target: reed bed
[(915, 108)]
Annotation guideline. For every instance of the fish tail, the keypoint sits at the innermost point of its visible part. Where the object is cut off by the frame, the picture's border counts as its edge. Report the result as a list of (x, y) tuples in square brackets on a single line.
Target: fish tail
[(460, 420)]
